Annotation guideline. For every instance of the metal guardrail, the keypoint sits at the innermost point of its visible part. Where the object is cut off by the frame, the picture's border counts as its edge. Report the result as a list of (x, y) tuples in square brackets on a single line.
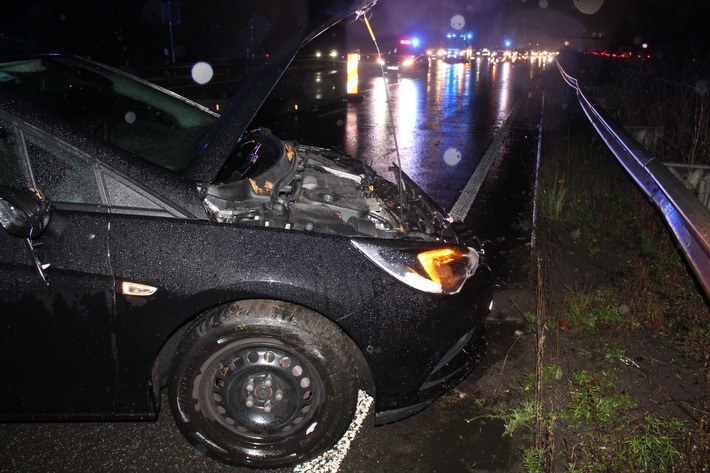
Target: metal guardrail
[(686, 216)]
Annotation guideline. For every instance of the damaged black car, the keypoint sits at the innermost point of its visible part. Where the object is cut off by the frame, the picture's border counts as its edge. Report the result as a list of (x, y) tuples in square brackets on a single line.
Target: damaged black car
[(148, 242)]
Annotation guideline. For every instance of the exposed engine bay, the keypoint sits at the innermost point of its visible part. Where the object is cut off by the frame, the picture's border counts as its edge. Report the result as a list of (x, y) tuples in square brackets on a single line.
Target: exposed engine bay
[(270, 182)]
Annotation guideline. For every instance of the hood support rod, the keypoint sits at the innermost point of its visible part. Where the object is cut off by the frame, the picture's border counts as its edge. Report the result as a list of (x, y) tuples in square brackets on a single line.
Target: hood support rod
[(400, 181)]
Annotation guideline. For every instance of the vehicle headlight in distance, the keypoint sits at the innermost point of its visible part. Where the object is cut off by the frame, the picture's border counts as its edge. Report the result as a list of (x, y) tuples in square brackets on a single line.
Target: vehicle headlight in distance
[(408, 62), (437, 269)]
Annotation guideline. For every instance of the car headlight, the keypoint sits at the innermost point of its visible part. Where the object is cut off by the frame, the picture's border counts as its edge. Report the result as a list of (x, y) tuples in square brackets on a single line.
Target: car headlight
[(408, 62), (438, 269)]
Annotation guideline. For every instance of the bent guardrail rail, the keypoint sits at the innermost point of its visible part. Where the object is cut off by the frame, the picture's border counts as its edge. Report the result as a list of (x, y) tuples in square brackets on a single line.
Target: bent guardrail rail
[(684, 213)]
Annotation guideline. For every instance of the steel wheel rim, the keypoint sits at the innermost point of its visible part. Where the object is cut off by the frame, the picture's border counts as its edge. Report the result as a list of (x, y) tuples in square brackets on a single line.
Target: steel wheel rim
[(261, 392)]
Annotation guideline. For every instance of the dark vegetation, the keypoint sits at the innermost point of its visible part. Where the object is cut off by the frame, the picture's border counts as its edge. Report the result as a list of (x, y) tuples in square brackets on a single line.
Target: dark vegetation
[(618, 350)]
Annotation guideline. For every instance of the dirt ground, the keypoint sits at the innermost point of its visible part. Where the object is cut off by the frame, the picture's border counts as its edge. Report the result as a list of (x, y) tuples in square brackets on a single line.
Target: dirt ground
[(646, 367), (606, 394)]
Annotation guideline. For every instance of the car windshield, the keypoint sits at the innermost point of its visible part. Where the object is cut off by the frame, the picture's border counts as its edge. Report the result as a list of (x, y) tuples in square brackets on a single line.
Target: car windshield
[(155, 125)]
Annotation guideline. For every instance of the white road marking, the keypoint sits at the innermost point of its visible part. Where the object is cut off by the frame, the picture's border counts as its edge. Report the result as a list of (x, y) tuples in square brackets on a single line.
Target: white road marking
[(329, 462), (463, 204)]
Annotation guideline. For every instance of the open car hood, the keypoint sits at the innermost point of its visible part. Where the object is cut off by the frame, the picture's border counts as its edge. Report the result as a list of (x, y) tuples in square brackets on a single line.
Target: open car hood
[(281, 29)]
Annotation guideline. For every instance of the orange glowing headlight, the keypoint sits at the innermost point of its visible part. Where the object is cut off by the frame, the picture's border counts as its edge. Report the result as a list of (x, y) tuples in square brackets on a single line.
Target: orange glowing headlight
[(441, 270), (446, 267)]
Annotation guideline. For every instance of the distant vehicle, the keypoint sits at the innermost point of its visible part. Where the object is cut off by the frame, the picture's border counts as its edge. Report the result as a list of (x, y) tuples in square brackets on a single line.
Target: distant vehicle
[(406, 64), (407, 58), (459, 47), (500, 55), (454, 55)]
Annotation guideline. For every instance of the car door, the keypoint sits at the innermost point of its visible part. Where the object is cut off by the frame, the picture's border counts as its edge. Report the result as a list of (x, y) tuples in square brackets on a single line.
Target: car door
[(57, 347)]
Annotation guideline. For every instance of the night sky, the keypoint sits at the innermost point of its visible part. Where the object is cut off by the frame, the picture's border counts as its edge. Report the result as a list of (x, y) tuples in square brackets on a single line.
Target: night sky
[(124, 32)]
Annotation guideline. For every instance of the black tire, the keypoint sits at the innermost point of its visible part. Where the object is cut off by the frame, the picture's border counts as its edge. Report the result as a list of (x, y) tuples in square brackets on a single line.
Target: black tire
[(262, 384)]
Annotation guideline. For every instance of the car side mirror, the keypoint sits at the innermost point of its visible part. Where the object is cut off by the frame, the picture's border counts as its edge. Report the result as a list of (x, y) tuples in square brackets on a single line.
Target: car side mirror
[(24, 213)]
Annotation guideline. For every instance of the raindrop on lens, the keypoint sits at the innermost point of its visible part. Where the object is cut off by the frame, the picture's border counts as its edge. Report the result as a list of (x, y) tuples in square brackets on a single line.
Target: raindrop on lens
[(202, 73), (130, 117), (588, 6), (452, 156), (458, 22)]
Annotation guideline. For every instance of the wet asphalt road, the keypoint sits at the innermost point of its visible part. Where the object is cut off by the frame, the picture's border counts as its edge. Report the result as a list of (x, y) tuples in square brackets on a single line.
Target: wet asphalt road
[(445, 121)]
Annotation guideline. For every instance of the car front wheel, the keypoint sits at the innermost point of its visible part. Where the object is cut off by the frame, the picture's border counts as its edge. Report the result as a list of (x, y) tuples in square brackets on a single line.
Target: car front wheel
[(262, 384)]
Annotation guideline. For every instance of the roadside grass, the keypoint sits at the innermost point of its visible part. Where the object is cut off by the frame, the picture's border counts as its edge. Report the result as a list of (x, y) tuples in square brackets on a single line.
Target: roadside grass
[(593, 311), (583, 192), (596, 427), (584, 420), (601, 429)]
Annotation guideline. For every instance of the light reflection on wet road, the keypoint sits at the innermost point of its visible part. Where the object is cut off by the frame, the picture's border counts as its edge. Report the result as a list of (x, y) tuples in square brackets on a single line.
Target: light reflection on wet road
[(444, 119)]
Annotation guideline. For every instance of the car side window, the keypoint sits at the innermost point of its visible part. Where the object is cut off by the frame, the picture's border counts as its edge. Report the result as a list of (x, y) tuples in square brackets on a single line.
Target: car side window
[(126, 197), (10, 170), (68, 177), (121, 195), (61, 175)]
